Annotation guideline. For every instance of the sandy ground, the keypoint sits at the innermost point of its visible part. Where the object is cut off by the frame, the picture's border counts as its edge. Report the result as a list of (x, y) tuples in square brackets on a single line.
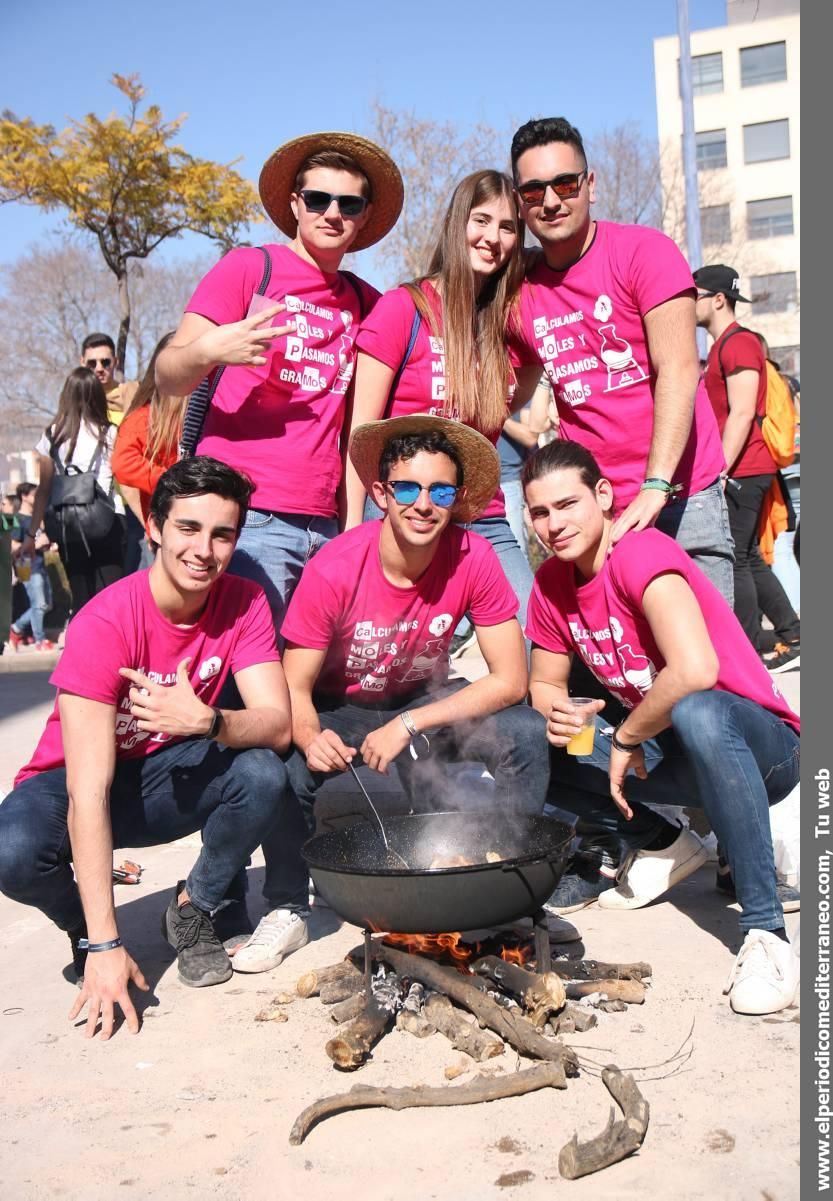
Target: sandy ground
[(201, 1102)]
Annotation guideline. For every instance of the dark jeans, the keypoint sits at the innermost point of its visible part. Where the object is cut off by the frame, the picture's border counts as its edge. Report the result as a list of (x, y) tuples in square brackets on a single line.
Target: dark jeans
[(511, 744), (724, 754), (233, 797), (88, 574), (757, 588)]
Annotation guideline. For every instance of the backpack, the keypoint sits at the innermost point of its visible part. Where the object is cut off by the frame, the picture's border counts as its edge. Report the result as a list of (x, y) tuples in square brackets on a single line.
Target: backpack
[(200, 399), (79, 511), (777, 425)]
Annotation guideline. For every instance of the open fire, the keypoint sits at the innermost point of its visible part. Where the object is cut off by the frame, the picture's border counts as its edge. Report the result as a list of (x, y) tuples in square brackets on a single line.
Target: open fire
[(451, 948)]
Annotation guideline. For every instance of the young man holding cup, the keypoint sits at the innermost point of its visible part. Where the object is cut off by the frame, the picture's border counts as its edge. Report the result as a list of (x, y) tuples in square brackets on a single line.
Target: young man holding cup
[(704, 723)]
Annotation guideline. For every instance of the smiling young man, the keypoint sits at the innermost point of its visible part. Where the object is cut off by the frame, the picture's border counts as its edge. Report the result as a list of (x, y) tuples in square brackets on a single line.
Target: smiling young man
[(704, 726), (608, 310), (367, 636), (280, 365), (136, 752)]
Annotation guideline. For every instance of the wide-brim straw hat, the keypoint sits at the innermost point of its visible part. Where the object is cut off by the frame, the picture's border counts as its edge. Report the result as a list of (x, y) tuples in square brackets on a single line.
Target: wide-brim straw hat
[(481, 465), (277, 181)]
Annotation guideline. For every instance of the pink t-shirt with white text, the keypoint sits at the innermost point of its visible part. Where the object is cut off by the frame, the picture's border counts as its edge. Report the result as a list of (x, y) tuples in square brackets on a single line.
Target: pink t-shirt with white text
[(383, 641), (281, 423), (603, 620), (422, 386), (122, 627), (585, 326)]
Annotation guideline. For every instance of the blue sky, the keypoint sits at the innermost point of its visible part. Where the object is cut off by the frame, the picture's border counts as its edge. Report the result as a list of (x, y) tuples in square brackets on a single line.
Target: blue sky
[(251, 76)]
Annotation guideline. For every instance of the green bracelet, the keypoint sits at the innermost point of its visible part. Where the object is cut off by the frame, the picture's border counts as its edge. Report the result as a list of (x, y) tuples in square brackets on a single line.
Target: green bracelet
[(656, 484)]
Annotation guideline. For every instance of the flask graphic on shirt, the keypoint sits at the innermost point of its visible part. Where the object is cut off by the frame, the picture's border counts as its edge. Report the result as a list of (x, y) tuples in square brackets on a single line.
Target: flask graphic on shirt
[(638, 670), (617, 356), (345, 363)]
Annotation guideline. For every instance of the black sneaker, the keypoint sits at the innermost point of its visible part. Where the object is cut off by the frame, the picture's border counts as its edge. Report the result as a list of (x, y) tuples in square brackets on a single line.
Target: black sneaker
[(785, 657), (232, 925), (201, 957), (580, 886), (789, 897), (460, 643), (79, 957)]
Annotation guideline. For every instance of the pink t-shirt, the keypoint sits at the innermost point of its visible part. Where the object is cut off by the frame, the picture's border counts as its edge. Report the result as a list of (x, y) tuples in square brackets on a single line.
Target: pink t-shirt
[(585, 326), (122, 627), (383, 641), (604, 622), (281, 423), (422, 387)]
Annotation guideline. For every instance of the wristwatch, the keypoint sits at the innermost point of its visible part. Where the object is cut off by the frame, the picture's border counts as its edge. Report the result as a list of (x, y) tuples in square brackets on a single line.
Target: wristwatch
[(217, 724)]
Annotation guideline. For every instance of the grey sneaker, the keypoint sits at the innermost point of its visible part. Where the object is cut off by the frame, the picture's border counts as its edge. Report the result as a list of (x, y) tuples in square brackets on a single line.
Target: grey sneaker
[(201, 957), (278, 934)]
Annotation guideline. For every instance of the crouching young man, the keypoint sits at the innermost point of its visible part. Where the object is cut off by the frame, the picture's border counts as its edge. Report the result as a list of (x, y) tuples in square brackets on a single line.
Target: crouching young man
[(705, 724), (367, 636), (135, 753)]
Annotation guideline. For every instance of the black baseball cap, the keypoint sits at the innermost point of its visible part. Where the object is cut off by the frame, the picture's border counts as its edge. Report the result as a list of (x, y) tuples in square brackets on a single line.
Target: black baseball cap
[(720, 278)]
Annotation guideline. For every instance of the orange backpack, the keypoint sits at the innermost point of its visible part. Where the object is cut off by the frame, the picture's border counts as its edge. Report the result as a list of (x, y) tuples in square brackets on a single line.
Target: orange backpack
[(777, 425)]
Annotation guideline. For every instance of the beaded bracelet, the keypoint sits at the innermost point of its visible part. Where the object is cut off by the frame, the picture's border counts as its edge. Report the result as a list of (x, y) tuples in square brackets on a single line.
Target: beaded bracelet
[(622, 746)]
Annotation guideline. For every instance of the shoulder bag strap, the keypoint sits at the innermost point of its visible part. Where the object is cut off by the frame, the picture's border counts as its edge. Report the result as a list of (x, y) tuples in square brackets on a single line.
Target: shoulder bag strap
[(201, 397), (409, 349), (353, 281)]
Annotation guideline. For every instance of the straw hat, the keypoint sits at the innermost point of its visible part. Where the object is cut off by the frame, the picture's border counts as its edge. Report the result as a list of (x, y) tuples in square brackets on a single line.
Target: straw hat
[(481, 465), (277, 181)]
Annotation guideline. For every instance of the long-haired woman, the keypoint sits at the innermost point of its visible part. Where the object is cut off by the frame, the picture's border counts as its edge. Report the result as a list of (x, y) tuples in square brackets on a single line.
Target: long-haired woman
[(436, 344), (81, 436), (148, 438)]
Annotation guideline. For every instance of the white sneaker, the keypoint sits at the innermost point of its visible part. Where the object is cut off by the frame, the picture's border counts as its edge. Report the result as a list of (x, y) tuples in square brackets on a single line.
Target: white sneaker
[(651, 873), (764, 978), (278, 934)]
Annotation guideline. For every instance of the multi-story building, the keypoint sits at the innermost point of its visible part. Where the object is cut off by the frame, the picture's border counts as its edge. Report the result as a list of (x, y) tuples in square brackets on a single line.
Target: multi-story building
[(747, 126)]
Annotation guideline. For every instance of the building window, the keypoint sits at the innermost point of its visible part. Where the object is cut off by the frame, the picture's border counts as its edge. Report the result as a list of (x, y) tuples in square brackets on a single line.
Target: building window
[(766, 140), (715, 224), (788, 358), (769, 218), (776, 293), (763, 64), (707, 73), (711, 149)]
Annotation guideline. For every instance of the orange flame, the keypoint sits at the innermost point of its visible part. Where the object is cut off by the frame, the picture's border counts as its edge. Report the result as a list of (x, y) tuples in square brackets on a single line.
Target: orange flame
[(452, 947)]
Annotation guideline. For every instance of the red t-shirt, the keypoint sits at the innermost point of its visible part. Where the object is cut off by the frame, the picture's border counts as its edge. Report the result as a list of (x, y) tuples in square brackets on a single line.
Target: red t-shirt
[(603, 620), (281, 423), (382, 641), (122, 627), (741, 351), (422, 385), (586, 326)]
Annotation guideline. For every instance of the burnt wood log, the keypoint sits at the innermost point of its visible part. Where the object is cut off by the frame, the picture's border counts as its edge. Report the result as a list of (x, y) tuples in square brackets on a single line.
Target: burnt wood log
[(632, 991), (573, 1019), (463, 1035), (345, 1011), (414, 1023), (541, 995), (350, 1047), (618, 1139), (542, 1075), (592, 969), (309, 985), (333, 991), (512, 1027)]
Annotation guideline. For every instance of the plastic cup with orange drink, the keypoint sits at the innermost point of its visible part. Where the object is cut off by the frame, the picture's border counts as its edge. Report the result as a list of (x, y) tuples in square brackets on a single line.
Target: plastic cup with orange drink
[(582, 743), (23, 569)]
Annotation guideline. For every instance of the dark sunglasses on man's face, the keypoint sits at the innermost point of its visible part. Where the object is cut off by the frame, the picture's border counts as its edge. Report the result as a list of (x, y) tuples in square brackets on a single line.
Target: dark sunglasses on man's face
[(319, 202), (405, 492), (93, 363), (566, 187)]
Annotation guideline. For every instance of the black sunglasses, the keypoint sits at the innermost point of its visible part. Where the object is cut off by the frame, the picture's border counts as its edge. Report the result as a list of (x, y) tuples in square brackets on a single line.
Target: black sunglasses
[(93, 363), (703, 295), (319, 202), (565, 187), (405, 492)]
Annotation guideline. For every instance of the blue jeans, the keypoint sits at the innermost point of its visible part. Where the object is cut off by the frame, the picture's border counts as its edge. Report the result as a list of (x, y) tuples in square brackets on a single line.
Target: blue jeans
[(510, 743), (497, 531), (700, 523), (233, 797), (273, 549), (39, 595), (724, 754), (513, 495)]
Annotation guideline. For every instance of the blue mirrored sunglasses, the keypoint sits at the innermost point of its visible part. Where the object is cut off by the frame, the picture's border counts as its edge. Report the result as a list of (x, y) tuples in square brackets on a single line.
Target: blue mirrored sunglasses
[(405, 492)]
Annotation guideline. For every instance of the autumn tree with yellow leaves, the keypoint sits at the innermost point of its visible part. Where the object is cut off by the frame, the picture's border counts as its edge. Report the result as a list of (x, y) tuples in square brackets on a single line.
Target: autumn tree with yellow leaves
[(125, 181)]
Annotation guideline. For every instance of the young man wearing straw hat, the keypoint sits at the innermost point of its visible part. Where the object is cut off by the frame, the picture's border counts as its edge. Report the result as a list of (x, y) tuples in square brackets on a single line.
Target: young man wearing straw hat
[(367, 636), (285, 358)]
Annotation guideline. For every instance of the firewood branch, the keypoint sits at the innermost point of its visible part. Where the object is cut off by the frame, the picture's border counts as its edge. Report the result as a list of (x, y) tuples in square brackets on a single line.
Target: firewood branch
[(618, 1139), (543, 1075)]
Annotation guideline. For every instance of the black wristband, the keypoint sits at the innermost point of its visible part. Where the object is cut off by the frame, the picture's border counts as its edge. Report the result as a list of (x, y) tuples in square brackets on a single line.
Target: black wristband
[(85, 945), (622, 746), (217, 724)]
